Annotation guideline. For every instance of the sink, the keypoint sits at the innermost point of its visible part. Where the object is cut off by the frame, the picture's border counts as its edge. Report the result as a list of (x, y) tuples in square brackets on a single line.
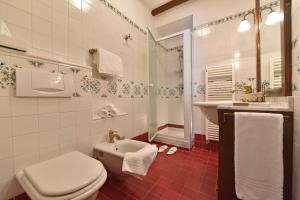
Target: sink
[(210, 109)]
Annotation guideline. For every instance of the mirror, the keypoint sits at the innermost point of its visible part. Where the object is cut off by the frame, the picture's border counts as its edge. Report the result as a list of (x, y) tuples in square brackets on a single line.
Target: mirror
[(273, 42), (270, 45)]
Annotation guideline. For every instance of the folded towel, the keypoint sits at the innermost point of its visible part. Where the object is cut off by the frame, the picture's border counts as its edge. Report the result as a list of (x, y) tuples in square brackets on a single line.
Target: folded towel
[(139, 162), (113, 111), (102, 113), (258, 156), (108, 62)]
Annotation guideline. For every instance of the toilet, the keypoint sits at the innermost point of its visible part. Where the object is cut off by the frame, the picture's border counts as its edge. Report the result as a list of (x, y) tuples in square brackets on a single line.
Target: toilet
[(71, 176)]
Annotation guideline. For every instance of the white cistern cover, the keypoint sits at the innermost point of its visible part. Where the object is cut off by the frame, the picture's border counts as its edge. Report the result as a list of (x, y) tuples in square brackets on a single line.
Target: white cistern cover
[(64, 174)]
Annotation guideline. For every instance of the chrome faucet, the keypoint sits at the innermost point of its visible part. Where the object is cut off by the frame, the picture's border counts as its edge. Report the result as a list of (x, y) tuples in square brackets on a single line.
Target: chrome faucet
[(112, 135)]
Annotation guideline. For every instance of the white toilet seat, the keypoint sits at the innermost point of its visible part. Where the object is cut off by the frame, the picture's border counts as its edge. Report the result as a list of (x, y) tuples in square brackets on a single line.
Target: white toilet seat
[(80, 194)]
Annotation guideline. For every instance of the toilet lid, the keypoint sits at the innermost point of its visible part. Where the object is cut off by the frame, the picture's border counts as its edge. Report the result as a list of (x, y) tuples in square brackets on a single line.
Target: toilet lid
[(64, 174)]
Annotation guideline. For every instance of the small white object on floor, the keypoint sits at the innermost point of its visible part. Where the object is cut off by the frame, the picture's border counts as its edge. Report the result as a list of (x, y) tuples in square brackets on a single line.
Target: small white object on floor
[(172, 150), (162, 148), (139, 162)]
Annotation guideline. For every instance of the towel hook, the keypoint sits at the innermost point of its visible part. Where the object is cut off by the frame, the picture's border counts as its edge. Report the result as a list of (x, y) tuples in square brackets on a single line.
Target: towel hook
[(92, 51), (127, 37)]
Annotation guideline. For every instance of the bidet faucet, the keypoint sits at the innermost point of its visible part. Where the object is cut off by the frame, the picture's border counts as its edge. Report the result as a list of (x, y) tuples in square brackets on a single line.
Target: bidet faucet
[(112, 135)]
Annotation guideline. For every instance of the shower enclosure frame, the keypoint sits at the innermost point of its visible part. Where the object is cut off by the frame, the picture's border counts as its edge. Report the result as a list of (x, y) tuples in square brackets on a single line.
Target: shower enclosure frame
[(188, 139)]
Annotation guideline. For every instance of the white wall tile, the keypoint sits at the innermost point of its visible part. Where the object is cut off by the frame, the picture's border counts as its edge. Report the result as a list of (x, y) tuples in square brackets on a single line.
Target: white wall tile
[(60, 39), (40, 25), (40, 41), (18, 17), (24, 124), (68, 119), (41, 10), (48, 105), (6, 127), (6, 168), (5, 107), (296, 183), (7, 188), (23, 5), (295, 34), (75, 9), (49, 138), (67, 105), (60, 18), (297, 130), (61, 5), (24, 106), (67, 134), (67, 147), (25, 160), (49, 152), (6, 148), (48, 122), (26, 144)]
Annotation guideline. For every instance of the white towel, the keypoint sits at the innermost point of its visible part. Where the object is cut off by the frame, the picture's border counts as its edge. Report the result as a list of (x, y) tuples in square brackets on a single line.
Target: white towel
[(259, 156), (112, 110), (102, 113), (108, 63), (139, 162)]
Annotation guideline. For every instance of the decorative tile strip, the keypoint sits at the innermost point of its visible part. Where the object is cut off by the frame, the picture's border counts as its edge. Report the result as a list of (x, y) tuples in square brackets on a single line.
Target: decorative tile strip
[(162, 46), (235, 16), (7, 76), (88, 84), (112, 87), (123, 16), (175, 48), (198, 89), (170, 49)]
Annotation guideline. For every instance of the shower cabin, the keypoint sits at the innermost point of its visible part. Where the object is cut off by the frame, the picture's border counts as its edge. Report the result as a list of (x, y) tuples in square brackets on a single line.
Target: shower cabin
[(170, 89)]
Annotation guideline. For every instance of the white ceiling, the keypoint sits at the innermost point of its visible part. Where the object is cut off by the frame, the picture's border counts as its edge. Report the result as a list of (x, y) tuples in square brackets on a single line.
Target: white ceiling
[(152, 4)]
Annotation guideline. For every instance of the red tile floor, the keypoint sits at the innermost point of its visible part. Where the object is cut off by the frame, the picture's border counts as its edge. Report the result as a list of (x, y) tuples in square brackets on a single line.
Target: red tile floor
[(184, 175)]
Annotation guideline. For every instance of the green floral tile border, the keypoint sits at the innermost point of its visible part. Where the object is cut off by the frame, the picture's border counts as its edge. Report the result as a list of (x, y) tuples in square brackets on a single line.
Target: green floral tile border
[(119, 88), (212, 23), (123, 16), (233, 17)]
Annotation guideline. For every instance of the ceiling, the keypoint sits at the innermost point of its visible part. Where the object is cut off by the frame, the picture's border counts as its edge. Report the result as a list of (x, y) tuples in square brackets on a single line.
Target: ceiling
[(152, 4)]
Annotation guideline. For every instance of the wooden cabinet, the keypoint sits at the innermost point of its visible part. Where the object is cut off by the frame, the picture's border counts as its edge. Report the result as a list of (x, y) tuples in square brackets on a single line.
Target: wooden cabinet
[(226, 176)]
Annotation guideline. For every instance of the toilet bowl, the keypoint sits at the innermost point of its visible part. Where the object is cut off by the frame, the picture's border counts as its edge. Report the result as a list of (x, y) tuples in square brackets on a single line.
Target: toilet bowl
[(71, 176)]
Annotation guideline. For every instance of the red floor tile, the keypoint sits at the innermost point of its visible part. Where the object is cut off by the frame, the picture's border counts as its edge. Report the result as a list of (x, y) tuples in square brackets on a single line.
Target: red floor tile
[(183, 176)]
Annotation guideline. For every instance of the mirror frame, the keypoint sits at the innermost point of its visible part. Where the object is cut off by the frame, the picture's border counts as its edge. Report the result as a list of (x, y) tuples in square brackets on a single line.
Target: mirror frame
[(286, 50)]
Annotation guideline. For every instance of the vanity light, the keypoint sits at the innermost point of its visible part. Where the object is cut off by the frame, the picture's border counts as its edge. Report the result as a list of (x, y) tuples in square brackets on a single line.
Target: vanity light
[(273, 18), (244, 25)]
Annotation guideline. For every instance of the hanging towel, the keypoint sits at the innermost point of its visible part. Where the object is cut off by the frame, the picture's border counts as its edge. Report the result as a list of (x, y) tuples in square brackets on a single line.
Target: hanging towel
[(108, 63), (139, 162), (258, 156)]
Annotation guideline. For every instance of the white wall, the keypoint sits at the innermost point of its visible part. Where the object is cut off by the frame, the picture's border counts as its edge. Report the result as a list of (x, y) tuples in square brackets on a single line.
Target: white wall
[(35, 129), (296, 82), (203, 11), (135, 10)]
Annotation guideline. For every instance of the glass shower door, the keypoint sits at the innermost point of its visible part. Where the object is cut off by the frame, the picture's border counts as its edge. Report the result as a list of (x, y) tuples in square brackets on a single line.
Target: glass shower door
[(152, 68)]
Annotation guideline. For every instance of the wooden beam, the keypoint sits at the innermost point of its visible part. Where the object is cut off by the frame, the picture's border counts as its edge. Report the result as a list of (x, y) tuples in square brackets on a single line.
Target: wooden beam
[(258, 49), (286, 47), (167, 6)]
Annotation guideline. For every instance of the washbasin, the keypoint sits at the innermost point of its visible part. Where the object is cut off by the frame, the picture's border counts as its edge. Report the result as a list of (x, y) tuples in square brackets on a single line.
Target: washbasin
[(210, 109)]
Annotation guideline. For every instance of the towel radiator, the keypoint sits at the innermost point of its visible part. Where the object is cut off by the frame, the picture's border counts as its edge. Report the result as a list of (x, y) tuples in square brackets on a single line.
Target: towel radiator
[(219, 82)]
